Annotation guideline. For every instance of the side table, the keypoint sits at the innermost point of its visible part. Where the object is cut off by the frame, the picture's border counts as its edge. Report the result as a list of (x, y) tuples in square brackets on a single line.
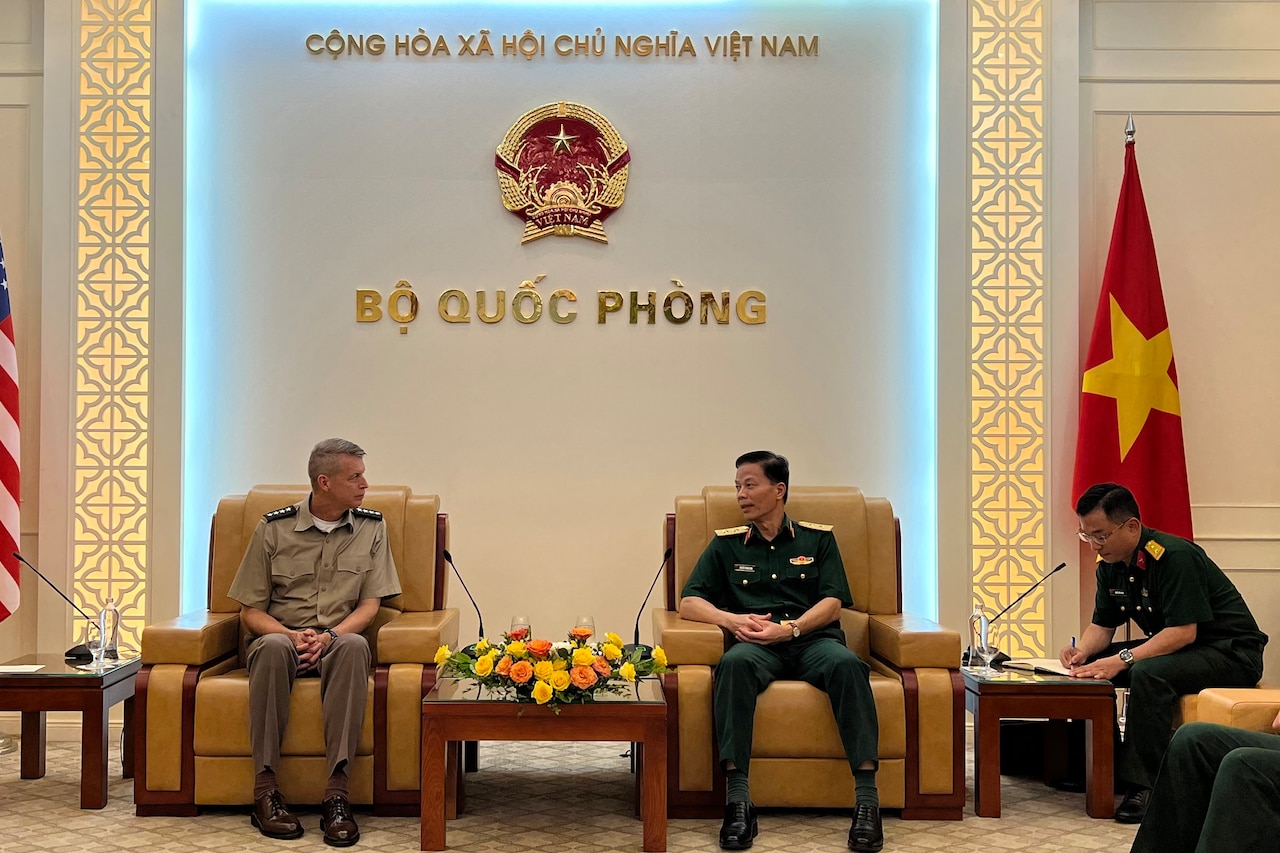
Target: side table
[(61, 686), (1011, 694)]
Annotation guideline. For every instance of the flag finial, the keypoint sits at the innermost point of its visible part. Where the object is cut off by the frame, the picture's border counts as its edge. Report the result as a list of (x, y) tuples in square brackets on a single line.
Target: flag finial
[(1128, 130)]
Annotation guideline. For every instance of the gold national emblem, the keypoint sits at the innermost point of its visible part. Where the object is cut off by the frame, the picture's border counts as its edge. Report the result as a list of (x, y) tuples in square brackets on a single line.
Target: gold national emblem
[(562, 169)]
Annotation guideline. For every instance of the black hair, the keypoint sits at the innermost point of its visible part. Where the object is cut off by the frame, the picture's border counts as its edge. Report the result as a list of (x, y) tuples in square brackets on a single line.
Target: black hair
[(1115, 500), (775, 467)]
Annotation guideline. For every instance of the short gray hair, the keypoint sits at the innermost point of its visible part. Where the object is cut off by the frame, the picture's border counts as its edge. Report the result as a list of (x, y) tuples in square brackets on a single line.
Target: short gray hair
[(326, 458)]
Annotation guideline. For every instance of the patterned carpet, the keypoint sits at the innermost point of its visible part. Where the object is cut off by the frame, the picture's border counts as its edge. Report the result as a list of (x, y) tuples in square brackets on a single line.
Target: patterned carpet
[(526, 797)]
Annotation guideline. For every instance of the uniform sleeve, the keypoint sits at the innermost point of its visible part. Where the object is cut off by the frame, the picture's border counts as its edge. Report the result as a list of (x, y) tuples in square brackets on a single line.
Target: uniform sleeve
[(1105, 611), (833, 581), (382, 580), (252, 583), (1184, 589), (707, 580)]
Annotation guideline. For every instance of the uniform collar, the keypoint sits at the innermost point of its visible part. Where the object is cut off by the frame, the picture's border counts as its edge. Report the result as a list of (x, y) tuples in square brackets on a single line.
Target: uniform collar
[(786, 530), (1138, 558), (306, 519)]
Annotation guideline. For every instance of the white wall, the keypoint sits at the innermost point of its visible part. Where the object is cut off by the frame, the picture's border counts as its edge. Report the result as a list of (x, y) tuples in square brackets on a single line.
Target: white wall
[(1203, 82)]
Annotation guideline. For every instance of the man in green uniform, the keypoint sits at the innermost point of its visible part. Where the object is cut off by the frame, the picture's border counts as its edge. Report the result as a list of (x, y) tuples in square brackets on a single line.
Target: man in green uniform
[(776, 585), (311, 581), (1200, 632), (1218, 789)]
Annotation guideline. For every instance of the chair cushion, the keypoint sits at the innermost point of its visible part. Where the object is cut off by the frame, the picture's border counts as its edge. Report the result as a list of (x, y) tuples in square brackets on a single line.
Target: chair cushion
[(794, 720)]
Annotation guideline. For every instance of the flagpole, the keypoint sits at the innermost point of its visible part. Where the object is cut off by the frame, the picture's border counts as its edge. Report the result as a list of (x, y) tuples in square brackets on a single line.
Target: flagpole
[(1129, 131)]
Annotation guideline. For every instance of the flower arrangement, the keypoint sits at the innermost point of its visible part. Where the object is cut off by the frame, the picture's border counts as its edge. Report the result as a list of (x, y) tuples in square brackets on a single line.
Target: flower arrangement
[(536, 670)]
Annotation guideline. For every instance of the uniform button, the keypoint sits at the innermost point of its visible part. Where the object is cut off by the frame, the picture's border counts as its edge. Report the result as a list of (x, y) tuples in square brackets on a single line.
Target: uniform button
[(802, 576), (775, 577), (1122, 607), (744, 581), (1130, 578), (772, 548)]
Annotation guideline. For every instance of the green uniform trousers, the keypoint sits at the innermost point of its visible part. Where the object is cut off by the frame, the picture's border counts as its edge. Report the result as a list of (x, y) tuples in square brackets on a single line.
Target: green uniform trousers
[(823, 660), (1218, 789), (1155, 685)]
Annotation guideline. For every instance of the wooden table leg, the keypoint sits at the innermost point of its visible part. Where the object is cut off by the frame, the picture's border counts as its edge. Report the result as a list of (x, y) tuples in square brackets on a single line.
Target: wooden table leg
[(653, 788), (93, 753), (986, 762), (433, 784), (453, 772), (126, 758), (1099, 767), (33, 742)]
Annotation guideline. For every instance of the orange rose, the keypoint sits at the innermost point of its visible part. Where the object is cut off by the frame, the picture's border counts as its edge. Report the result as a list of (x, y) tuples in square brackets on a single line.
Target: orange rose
[(539, 648), (521, 671), (582, 634), (504, 665), (518, 633), (582, 676), (601, 666)]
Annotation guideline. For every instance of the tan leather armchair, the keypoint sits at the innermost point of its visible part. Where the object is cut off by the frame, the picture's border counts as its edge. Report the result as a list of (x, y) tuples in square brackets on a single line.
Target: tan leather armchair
[(192, 694), (1252, 708), (797, 759)]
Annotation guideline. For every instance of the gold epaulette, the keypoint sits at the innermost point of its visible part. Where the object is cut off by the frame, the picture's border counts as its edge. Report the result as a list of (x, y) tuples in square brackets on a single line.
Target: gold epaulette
[(733, 531), (1154, 548), (813, 525)]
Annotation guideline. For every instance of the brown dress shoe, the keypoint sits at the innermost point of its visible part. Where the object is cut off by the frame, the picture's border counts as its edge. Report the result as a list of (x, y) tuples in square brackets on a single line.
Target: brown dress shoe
[(272, 818), (339, 825)]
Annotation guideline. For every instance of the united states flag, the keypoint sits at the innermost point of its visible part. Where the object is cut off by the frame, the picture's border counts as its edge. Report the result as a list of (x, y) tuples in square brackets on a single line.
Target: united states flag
[(9, 453)]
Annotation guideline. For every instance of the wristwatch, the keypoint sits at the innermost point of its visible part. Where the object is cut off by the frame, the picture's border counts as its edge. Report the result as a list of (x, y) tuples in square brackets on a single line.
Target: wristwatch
[(795, 630), (333, 638), (1126, 656)]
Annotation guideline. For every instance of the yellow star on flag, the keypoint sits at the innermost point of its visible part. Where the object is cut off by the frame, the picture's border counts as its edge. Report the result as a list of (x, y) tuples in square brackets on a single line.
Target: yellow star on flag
[(1137, 376)]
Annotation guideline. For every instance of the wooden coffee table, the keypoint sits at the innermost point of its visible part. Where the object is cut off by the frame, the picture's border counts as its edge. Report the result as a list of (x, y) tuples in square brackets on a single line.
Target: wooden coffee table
[(456, 711), (60, 686), (1023, 695)]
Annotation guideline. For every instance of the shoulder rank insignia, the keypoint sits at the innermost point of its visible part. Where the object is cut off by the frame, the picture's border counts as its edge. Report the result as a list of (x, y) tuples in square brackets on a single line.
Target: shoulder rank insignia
[(813, 525), (801, 561), (366, 512), (283, 512), (1154, 548), (733, 531)]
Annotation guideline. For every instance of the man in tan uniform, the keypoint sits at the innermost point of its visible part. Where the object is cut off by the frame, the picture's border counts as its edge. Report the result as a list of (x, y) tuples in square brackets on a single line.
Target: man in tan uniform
[(311, 581)]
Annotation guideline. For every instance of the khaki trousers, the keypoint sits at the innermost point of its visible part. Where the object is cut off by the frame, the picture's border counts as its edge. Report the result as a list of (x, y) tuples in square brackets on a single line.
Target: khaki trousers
[(344, 690)]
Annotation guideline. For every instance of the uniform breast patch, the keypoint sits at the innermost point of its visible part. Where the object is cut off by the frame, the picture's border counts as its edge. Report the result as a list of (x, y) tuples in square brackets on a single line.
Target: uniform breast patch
[(801, 561)]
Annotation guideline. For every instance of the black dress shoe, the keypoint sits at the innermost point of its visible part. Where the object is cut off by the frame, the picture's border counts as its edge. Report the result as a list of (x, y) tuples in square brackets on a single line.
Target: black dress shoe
[(338, 823), (866, 834), (739, 827), (272, 818), (1134, 806)]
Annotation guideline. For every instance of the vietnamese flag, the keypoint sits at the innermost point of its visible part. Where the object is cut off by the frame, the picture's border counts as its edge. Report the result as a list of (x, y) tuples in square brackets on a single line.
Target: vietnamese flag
[(1130, 415)]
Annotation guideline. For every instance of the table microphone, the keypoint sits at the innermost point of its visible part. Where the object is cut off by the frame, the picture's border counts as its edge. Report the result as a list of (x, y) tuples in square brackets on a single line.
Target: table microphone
[(1001, 657), (80, 652), (646, 651), (448, 558)]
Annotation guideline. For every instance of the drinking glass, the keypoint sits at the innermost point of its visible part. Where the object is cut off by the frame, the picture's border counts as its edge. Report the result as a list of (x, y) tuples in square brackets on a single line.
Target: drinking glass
[(988, 649), (95, 643), (982, 644), (519, 628), (583, 628)]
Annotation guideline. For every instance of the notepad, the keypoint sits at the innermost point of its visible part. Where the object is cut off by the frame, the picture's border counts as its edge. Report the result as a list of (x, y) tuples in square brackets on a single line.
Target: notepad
[(20, 668), (1046, 666)]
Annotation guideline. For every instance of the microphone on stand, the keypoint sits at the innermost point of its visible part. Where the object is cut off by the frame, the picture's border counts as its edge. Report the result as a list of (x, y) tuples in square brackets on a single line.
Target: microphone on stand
[(646, 651), (1001, 657), (81, 651), (448, 558)]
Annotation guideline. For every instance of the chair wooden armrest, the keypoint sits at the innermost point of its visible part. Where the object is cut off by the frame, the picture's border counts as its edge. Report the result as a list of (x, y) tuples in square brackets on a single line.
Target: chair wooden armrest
[(687, 642), (195, 638), (908, 641)]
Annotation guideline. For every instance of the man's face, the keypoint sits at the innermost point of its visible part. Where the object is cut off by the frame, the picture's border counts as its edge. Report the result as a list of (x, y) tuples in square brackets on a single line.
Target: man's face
[(348, 486), (757, 497), (1113, 543)]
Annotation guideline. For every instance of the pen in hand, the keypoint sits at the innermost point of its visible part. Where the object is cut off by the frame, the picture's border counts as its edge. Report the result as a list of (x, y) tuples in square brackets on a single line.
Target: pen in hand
[(1073, 660)]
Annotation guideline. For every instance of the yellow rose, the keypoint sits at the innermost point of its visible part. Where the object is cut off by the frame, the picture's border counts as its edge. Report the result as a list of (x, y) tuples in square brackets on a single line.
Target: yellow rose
[(583, 656), (542, 670), (627, 671), (659, 656), (483, 645), (542, 692), (515, 648), (560, 664), (442, 655), (484, 665), (611, 652), (560, 679), (613, 638)]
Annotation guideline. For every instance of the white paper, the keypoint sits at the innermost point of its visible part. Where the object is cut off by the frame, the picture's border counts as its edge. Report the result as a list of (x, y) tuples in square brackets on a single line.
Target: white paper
[(1049, 665), (19, 668)]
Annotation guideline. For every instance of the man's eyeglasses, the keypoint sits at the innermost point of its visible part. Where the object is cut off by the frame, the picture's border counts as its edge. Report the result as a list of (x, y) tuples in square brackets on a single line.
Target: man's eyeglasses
[(1101, 538)]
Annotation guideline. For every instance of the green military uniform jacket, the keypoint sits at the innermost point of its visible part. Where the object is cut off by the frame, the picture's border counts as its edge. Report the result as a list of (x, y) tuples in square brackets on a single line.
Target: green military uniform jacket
[(742, 572), (1173, 582)]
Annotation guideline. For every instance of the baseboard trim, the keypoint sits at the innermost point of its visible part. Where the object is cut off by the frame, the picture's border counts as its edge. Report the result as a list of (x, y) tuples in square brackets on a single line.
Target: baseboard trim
[(60, 725)]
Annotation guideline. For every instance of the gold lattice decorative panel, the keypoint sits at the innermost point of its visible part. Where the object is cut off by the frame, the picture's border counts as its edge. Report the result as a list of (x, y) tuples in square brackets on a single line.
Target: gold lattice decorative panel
[(112, 465), (1007, 390)]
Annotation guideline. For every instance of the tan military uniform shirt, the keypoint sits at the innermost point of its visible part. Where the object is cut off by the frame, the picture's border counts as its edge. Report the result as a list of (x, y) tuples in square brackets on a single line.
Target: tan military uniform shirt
[(309, 579)]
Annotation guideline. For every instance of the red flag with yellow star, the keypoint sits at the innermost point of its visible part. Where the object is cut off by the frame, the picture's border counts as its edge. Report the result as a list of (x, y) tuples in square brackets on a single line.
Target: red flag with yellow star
[(1130, 415)]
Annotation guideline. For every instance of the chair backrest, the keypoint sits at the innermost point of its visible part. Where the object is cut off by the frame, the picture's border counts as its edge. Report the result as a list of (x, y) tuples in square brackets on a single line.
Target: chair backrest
[(865, 529), (416, 529)]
